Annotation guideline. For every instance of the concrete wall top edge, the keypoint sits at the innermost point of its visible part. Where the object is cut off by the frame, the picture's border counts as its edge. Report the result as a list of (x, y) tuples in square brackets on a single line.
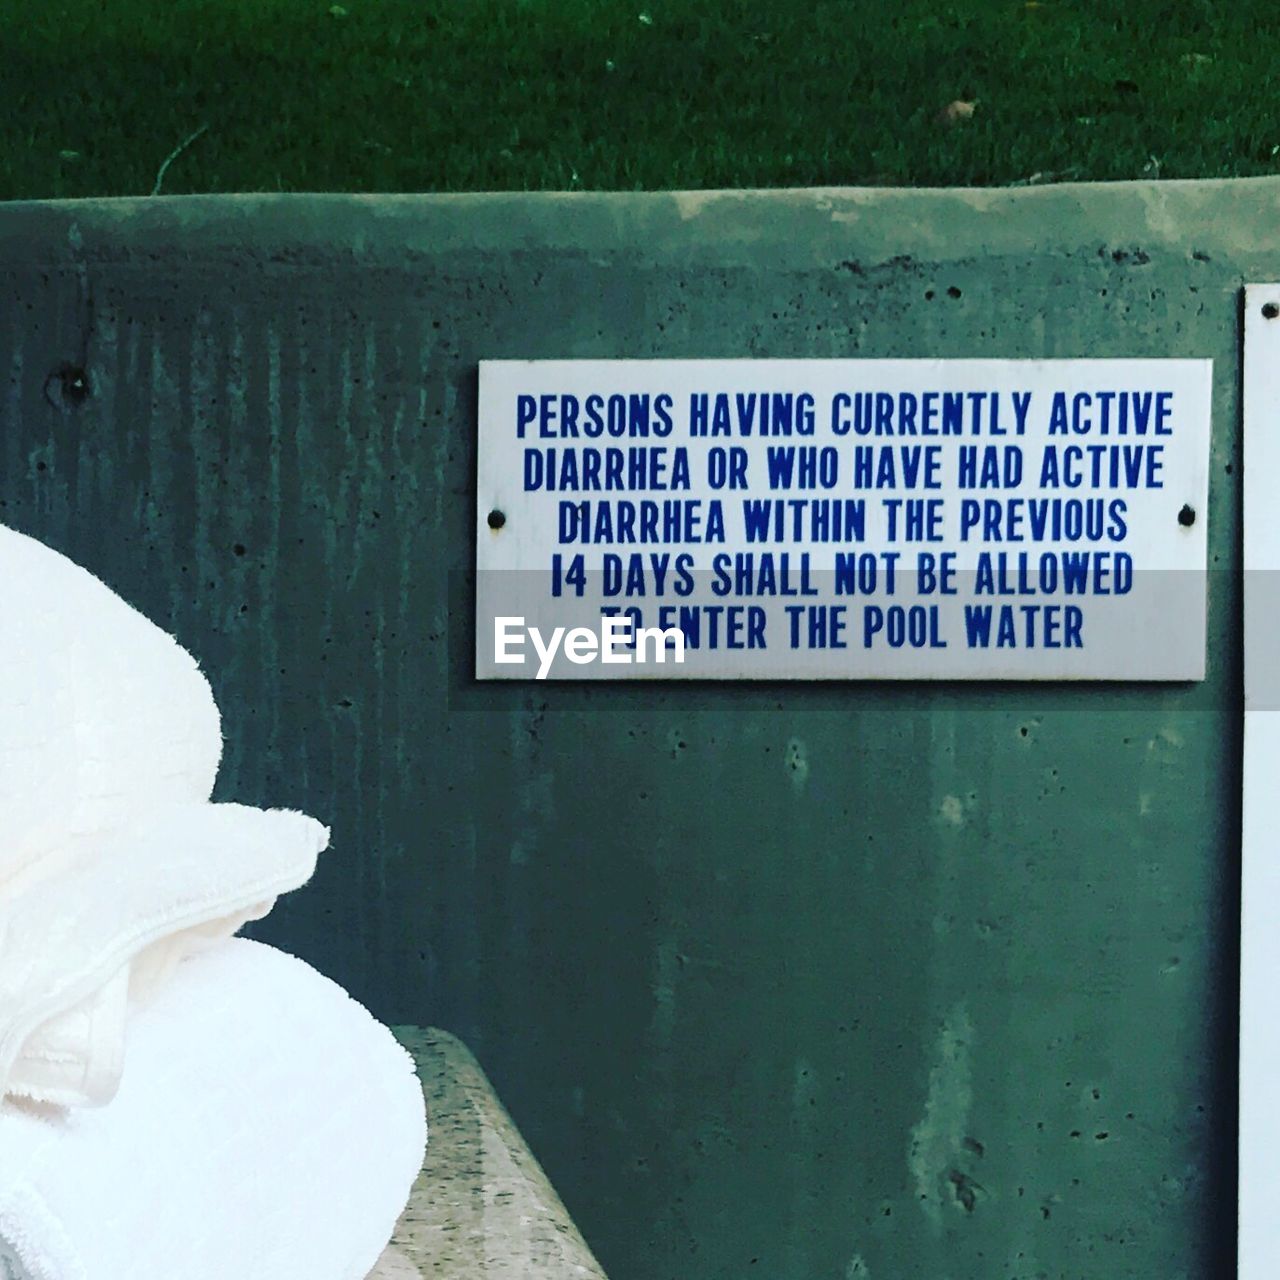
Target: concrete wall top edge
[(856, 229)]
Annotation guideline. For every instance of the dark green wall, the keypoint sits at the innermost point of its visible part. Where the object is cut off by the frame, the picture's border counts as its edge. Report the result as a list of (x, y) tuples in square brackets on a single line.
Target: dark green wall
[(896, 982)]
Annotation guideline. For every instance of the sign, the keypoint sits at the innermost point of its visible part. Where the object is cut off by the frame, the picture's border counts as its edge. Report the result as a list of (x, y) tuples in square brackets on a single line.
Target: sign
[(842, 519)]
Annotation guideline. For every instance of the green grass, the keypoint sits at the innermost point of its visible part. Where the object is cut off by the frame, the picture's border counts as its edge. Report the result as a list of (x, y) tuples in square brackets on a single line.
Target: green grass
[(466, 95)]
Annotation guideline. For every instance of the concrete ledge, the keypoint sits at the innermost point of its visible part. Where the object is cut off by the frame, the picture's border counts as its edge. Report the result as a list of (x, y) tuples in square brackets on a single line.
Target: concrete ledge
[(774, 229), (481, 1205)]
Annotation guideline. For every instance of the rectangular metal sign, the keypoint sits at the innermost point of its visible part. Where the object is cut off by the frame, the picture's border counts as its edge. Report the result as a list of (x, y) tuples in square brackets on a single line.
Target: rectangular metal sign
[(842, 519)]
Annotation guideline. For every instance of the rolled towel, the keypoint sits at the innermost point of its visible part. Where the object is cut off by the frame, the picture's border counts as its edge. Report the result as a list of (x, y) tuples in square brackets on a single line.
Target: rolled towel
[(266, 1128)]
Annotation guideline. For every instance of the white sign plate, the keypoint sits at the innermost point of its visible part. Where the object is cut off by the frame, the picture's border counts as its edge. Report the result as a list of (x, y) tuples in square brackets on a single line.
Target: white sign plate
[(842, 519)]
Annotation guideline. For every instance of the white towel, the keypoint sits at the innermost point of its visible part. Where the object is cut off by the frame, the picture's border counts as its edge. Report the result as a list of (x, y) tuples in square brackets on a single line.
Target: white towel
[(112, 863), (267, 1128), (102, 715), (84, 936)]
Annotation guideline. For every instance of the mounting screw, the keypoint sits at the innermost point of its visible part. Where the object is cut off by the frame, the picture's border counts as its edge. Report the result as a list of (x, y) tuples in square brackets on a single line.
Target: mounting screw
[(497, 519), (1270, 310), (1187, 516)]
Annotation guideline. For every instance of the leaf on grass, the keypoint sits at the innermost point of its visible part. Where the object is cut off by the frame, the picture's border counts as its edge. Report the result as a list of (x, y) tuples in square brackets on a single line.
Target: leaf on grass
[(956, 112)]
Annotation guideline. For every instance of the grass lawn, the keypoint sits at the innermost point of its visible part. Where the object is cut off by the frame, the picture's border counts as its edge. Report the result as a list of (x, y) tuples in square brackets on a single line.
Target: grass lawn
[(466, 95)]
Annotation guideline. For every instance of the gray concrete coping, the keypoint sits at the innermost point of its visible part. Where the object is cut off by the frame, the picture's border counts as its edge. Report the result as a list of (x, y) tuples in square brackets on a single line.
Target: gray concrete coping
[(724, 227), (482, 1206)]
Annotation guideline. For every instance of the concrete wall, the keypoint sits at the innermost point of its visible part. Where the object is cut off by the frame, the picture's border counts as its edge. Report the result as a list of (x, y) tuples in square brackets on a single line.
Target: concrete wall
[(788, 981)]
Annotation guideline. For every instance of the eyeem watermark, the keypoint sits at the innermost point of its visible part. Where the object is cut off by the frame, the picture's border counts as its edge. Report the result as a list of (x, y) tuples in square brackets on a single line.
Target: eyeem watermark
[(616, 642)]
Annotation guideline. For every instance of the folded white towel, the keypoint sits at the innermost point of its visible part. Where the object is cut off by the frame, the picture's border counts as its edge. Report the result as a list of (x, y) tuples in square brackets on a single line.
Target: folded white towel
[(102, 715), (87, 934), (267, 1128), (112, 863)]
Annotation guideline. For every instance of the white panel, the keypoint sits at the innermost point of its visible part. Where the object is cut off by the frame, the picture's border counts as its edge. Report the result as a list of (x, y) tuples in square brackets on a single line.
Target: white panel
[(1260, 924)]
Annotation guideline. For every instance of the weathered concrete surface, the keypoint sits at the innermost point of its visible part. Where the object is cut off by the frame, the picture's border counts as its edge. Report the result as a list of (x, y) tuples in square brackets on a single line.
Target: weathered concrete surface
[(786, 981), (481, 1206)]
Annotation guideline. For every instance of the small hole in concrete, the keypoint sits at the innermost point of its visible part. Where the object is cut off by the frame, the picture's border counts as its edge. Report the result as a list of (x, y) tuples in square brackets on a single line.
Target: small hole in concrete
[(67, 387), (75, 384), (497, 519)]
